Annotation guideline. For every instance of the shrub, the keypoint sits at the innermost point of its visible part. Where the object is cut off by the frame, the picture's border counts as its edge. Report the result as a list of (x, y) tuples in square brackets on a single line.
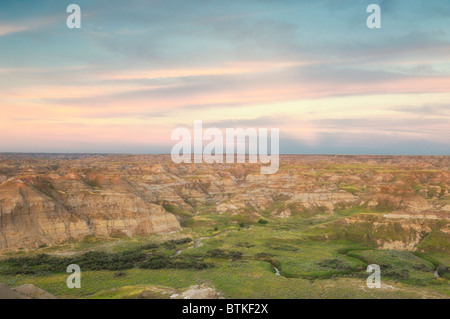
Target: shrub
[(155, 263), (120, 274), (398, 274), (149, 246), (218, 253), (443, 271), (162, 262), (264, 255), (335, 264), (421, 267), (172, 244), (221, 253), (235, 255)]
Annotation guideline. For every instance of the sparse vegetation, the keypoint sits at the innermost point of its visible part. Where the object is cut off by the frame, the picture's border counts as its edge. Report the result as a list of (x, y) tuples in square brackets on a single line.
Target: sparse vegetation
[(320, 242)]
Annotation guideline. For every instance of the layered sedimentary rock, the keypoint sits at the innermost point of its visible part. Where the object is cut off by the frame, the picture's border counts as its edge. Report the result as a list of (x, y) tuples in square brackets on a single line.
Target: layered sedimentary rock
[(33, 214), (323, 198), (46, 199)]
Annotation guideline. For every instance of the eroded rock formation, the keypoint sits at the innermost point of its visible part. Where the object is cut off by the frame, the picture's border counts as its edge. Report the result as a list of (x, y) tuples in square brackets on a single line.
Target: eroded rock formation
[(47, 199)]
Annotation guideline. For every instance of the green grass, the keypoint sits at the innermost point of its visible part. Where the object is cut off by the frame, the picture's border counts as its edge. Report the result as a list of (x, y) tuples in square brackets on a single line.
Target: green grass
[(436, 241), (244, 279), (318, 258), (176, 210), (351, 189)]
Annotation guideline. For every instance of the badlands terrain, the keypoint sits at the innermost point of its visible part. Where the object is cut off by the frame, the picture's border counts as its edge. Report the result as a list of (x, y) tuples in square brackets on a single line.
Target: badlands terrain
[(140, 226)]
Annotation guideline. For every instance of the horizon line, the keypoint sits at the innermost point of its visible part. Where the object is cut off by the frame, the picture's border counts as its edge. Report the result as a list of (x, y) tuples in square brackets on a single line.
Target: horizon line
[(160, 154)]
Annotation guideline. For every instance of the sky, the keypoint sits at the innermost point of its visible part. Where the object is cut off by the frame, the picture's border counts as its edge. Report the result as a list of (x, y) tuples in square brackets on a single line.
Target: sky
[(137, 69)]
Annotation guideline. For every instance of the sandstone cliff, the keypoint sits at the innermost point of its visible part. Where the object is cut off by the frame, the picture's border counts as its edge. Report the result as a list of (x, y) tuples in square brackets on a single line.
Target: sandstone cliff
[(46, 199), (35, 213)]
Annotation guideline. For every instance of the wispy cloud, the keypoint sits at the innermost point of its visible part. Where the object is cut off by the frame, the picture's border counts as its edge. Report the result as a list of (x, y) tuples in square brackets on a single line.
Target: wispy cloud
[(10, 28), (137, 69)]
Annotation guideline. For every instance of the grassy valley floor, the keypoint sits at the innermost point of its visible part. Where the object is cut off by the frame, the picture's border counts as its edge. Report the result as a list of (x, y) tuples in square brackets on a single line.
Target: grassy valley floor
[(317, 257)]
